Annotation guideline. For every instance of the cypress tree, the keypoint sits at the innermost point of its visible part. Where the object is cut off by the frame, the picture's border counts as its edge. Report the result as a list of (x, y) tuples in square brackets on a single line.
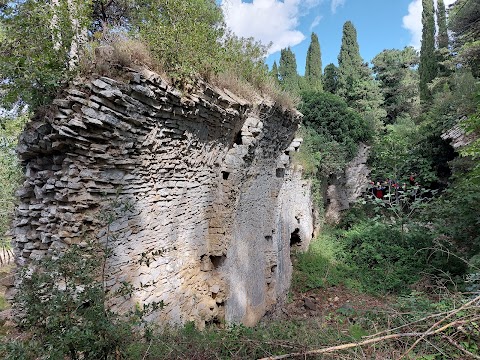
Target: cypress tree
[(287, 70), (274, 71), (330, 78), (442, 36), (355, 82), (349, 60), (313, 67), (428, 59)]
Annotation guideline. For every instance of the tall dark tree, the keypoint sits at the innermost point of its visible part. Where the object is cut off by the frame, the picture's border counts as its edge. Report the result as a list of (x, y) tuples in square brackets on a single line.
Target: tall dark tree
[(355, 79), (442, 35), (349, 61), (287, 71), (330, 78), (313, 67), (428, 59)]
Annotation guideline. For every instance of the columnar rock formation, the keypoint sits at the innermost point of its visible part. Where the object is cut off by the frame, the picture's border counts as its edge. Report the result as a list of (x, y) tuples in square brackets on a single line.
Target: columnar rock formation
[(205, 203)]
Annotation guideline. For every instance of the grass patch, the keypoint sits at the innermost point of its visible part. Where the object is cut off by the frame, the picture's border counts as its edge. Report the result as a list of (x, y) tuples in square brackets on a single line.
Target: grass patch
[(322, 265)]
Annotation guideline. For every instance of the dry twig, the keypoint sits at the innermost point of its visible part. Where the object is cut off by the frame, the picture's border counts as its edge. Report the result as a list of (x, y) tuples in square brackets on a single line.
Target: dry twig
[(374, 340), (438, 323)]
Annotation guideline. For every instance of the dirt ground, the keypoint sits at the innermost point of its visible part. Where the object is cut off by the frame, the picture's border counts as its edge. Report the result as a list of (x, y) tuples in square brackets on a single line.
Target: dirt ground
[(336, 299)]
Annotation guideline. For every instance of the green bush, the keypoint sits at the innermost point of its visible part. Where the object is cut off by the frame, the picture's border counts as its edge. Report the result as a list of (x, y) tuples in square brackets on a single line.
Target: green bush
[(62, 303), (319, 154), (383, 260), (330, 117)]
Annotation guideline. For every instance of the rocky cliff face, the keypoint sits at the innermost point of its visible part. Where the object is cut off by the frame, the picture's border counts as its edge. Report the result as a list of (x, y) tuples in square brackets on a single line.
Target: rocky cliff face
[(205, 205), (345, 188)]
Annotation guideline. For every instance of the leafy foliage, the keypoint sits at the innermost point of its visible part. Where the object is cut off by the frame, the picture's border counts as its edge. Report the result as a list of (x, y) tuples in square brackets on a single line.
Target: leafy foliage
[(399, 153), (182, 35), (395, 71), (63, 304), (36, 49), (330, 116), (322, 265), (10, 172), (442, 35), (43, 42), (320, 154), (355, 82), (383, 259), (463, 21), (330, 78)]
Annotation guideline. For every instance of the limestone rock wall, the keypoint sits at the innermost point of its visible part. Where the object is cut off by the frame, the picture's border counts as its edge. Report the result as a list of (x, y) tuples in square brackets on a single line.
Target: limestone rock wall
[(201, 197), (345, 188)]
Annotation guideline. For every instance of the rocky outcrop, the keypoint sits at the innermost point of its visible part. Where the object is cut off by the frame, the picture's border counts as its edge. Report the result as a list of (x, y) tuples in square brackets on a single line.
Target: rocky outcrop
[(345, 188), (457, 136), (192, 193)]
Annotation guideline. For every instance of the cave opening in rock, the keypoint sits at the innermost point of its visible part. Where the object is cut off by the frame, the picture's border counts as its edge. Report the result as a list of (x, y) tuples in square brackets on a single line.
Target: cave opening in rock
[(238, 138), (225, 175), (217, 261), (295, 237), (280, 172)]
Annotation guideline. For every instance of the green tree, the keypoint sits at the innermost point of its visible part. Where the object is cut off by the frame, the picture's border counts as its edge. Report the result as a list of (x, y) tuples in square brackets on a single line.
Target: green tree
[(428, 60), (398, 79), (330, 78), (350, 62), (355, 79), (313, 67), (464, 22), (274, 71), (39, 48), (442, 35), (289, 78), (397, 154)]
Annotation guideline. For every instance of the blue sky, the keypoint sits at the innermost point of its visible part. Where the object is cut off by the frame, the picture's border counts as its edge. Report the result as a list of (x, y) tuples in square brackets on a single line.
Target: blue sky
[(380, 24)]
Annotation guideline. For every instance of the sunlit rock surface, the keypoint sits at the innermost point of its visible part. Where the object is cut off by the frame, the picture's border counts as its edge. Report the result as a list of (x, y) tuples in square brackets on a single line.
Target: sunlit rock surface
[(194, 195)]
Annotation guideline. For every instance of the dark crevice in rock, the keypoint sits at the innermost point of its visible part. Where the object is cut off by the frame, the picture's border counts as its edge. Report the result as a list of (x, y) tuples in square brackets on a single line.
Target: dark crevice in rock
[(217, 261), (295, 237)]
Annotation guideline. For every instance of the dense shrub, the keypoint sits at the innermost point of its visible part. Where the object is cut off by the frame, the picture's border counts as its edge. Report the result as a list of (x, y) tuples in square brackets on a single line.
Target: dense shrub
[(383, 259), (62, 303), (330, 117)]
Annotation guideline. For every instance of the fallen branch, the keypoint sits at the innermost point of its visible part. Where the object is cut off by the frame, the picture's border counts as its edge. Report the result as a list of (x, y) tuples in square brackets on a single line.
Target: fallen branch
[(438, 323), (370, 341), (415, 322), (459, 347)]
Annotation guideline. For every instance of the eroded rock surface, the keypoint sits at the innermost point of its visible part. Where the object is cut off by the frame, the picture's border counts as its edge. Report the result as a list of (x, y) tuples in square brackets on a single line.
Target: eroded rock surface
[(345, 188), (204, 199)]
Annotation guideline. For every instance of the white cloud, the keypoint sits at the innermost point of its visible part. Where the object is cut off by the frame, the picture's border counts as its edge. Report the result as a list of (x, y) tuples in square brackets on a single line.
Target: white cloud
[(413, 21), (270, 21), (336, 4), (315, 22)]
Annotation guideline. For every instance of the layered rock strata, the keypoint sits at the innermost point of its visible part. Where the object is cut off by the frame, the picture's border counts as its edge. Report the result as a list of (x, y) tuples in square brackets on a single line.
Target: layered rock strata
[(202, 203)]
